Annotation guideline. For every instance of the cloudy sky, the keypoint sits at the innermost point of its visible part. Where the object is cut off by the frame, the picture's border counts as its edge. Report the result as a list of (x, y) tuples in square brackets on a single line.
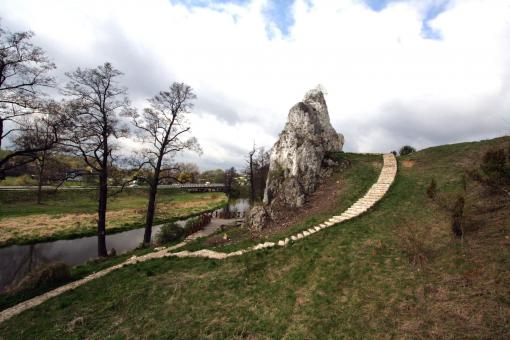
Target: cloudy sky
[(419, 72)]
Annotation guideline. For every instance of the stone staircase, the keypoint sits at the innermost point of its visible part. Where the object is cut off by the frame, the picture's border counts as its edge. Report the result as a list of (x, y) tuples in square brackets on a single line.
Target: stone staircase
[(376, 192)]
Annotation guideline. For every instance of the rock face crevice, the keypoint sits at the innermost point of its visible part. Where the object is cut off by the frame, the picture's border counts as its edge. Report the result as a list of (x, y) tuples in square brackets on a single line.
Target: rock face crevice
[(296, 161)]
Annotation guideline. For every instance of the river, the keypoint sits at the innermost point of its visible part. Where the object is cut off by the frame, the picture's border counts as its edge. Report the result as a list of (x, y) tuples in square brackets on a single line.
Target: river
[(17, 261)]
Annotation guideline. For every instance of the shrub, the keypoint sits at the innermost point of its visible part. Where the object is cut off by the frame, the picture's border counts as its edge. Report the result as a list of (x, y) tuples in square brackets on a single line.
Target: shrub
[(495, 167), (406, 150), (432, 189), (195, 224), (168, 233), (456, 211), (457, 217), (19, 181), (416, 243), (494, 172), (47, 276)]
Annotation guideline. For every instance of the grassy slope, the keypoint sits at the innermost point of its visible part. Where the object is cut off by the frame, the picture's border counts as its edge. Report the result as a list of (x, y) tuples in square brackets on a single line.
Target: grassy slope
[(71, 214), (355, 182), (358, 279)]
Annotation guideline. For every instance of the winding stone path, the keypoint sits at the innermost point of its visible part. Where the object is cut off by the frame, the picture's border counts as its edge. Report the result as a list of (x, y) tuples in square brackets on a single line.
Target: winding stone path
[(374, 194)]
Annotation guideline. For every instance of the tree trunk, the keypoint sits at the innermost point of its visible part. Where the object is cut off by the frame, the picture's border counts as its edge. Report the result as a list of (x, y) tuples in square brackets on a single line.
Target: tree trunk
[(39, 188), (252, 180), (151, 206), (149, 219), (101, 212), (40, 178), (103, 199), (1, 132)]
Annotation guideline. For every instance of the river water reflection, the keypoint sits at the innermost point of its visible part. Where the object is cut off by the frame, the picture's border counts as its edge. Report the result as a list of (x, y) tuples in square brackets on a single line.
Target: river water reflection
[(17, 261)]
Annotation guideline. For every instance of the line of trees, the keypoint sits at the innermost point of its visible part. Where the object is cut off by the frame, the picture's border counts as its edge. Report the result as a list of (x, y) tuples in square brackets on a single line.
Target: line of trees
[(87, 123)]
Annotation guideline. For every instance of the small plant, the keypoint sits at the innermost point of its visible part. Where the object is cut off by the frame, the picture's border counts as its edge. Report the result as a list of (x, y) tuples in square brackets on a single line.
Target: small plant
[(456, 210), (432, 189), (464, 182), (406, 150), (416, 244), (458, 216), (494, 172), (168, 233)]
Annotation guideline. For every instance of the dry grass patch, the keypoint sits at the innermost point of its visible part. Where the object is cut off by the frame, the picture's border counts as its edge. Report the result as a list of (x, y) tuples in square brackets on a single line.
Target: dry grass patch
[(44, 226)]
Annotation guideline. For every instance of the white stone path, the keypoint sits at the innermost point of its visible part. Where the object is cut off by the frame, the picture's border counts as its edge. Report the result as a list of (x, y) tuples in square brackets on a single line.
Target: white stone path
[(374, 194)]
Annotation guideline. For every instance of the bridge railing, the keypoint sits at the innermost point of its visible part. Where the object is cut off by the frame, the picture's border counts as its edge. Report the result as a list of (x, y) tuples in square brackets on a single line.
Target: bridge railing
[(192, 185)]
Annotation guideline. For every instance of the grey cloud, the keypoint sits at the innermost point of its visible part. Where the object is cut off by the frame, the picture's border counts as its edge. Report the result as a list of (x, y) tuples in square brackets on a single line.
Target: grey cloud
[(218, 106), (144, 75), (434, 124)]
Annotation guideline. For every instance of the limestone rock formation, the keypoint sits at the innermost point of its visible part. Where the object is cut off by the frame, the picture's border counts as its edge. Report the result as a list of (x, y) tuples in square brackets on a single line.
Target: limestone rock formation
[(296, 161), (257, 217), (296, 158)]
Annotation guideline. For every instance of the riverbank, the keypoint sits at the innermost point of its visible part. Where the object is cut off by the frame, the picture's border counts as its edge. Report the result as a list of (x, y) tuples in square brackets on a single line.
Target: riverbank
[(72, 215), (78, 272)]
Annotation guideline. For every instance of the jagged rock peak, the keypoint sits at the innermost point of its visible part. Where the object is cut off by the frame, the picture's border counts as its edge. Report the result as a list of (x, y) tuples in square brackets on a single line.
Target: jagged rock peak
[(296, 158), (296, 163)]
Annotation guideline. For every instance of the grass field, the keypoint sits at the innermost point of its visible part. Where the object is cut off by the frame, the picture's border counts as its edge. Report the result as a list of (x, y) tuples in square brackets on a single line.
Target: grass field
[(70, 213), (396, 271)]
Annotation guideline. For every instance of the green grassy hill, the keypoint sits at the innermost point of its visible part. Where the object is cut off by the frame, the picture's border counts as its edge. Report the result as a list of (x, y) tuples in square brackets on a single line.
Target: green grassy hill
[(396, 271)]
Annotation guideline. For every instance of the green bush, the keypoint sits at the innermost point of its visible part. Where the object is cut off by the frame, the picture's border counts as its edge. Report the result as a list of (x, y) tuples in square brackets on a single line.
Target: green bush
[(168, 233), (495, 166), (406, 150), (494, 172)]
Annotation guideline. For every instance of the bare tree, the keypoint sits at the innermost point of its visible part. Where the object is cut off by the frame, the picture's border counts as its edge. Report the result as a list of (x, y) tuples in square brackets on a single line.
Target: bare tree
[(251, 172), (228, 180), (41, 135), (257, 170), (163, 126), (96, 101), (261, 170), (24, 72)]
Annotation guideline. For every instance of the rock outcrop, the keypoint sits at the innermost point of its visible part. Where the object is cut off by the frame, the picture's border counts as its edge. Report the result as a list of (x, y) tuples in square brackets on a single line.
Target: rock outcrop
[(296, 161)]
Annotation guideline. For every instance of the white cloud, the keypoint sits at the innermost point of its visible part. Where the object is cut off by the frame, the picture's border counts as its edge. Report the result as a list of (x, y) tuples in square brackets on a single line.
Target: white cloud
[(388, 85)]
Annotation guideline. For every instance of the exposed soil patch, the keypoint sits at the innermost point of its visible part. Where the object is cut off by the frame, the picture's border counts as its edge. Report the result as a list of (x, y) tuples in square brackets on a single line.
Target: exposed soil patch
[(408, 163), (323, 200)]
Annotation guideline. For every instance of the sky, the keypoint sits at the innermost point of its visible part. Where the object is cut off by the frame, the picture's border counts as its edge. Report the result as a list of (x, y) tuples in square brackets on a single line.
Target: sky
[(396, 72)]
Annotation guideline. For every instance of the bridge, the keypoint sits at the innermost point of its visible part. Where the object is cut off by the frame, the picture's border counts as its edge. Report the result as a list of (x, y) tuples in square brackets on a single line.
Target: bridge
[(195, 187)]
